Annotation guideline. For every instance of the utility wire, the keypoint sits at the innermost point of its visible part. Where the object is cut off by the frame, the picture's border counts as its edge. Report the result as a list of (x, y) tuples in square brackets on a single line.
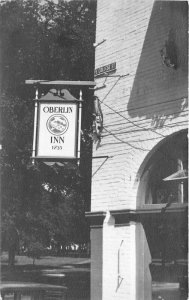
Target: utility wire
[(166, 155), (122, 141), (119, 77), (145, 106), (154, 104), (135, 141), (100, 166), (102, 101), (125, 125), (140, 130), (111, 89), (131, 146), (144, 128), (155, 112), (121, 114), (130, 120)]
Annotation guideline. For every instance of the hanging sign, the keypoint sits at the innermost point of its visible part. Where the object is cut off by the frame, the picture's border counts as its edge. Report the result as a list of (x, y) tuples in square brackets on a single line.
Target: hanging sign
[(57, 121), (57, 126), (57, 130)]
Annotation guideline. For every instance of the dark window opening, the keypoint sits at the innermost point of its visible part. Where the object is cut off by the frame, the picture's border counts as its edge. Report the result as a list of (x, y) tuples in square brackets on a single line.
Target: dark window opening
[(170, 158)]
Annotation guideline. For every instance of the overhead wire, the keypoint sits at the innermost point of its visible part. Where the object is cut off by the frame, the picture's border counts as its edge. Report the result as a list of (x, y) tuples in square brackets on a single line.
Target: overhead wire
[(130, 120), (119, 77), (118, 113), (102, 101), (155, 104), (100, 166), (145, 106), (144, 128), (110, 89), (118, 132), (122, 141), (135, 141), (167, 155), (155, 112)]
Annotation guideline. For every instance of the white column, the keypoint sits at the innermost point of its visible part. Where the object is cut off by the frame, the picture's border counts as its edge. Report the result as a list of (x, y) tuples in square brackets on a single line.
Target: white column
[(120, 262), (109, 271)]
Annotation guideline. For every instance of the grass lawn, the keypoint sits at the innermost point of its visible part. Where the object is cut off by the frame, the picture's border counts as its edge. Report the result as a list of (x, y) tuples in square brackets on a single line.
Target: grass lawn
[(70, 273), (48, 261)]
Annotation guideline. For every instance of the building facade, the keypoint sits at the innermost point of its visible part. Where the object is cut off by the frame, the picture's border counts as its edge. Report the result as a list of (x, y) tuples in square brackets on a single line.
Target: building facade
[(138, 219)]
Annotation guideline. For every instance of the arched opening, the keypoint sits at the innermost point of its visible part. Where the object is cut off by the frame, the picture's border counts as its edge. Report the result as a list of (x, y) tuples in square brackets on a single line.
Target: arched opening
[(163, 209), (170, 159)]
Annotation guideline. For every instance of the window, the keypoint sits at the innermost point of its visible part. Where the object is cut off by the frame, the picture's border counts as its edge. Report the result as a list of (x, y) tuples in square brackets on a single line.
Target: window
[(169, 158)]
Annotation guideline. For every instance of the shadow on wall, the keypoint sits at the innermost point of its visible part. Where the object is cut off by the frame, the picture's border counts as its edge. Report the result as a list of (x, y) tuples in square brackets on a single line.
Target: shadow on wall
[(160, 86)]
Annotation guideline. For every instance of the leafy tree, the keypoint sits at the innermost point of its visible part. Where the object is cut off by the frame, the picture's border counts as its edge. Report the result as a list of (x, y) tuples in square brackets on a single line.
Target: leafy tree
[(43, 41), (35, 250)]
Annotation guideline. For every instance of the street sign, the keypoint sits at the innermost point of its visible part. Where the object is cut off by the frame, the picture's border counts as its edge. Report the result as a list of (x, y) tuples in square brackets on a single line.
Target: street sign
[(105, 69)]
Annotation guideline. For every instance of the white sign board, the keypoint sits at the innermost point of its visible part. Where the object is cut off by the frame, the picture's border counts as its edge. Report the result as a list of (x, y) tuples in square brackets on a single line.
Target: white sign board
[(57, 130)]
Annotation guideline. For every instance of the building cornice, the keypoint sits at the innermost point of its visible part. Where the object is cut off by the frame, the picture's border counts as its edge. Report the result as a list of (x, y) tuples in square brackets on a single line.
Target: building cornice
[(141, 214)]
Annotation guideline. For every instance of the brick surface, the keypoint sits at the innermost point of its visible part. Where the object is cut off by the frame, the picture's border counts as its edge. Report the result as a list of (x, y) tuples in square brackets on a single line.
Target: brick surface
[(145, 106)]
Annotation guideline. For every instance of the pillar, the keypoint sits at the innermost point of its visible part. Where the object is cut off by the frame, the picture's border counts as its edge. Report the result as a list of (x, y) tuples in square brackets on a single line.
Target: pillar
[(120, 260)]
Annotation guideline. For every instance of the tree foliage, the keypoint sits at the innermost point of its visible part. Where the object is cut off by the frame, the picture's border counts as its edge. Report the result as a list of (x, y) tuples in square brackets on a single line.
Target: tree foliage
[(42, 41)]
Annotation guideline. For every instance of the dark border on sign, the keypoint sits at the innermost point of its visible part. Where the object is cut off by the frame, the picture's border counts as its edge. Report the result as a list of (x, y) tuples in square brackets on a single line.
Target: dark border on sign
[(76, 131)]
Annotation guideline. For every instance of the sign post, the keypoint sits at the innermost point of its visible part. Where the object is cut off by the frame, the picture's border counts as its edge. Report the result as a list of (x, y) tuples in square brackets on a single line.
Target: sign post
[(35, 126), (79, 123)]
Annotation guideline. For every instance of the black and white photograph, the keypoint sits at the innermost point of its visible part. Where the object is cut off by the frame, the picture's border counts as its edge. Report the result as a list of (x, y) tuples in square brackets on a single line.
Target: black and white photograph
[(93, 150)]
